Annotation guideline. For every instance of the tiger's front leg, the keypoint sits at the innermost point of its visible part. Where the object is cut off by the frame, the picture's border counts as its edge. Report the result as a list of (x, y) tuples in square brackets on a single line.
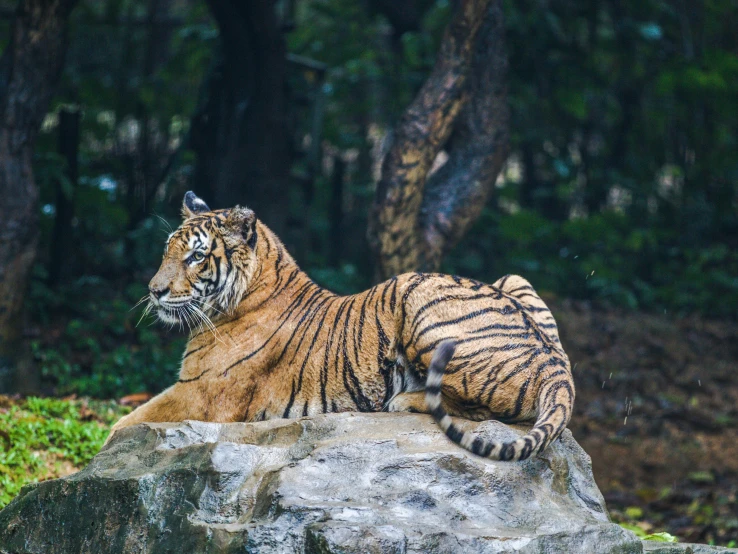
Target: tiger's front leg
[(177, 403)]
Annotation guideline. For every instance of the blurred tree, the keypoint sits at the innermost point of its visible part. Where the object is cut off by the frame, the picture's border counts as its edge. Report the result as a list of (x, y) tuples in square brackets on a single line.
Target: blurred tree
[(240, 132), (66, 185), (29, 71), (143, 164), (419, 214)]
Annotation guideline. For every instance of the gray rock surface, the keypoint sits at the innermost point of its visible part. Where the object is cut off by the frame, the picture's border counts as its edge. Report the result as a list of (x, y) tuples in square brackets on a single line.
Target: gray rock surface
[(340, 483), (651, 547)]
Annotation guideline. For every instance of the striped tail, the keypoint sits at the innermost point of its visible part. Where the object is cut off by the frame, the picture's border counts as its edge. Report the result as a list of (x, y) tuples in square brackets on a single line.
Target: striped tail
[(554, 408)]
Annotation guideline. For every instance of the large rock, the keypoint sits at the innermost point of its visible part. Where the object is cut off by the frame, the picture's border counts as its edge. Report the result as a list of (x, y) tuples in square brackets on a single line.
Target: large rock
[(341, 483)]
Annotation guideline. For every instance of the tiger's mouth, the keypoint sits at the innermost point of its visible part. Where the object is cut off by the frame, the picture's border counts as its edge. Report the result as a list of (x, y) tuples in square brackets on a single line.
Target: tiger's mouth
[(172, 312), (187, 313), (169, 315)]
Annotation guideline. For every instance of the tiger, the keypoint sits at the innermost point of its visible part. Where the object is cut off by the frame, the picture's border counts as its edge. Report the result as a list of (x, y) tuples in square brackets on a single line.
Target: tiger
[(267, 342)]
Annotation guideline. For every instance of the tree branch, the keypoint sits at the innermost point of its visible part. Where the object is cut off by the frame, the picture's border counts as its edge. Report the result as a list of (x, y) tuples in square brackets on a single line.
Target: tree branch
[(423, 130), (456, 194)]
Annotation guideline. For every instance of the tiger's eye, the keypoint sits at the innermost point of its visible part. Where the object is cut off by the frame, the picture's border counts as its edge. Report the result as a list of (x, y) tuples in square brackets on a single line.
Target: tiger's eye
[(198, 256)]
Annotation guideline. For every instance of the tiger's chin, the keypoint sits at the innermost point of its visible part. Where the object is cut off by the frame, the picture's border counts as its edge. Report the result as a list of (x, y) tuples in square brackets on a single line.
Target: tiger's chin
[(167, 315)]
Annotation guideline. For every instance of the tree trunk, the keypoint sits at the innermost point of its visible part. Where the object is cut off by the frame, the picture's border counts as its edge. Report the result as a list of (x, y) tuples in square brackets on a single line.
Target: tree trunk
[(61, 246), (335, 210), (462, 108), (240, 134), (144, 174), (29, 70)]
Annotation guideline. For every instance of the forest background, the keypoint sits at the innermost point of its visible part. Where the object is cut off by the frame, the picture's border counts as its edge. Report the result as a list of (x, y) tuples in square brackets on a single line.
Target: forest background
[(590, 147)]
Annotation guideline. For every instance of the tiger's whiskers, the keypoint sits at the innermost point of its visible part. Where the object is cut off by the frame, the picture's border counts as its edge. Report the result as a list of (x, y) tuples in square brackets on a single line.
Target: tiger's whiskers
[(203, 317), (146, 311), (164, 221), (141, 301), (210, 306)]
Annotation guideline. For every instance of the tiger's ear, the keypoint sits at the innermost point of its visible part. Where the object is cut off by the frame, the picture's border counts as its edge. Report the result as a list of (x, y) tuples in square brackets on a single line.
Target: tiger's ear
[(241, 223), (193, 205)]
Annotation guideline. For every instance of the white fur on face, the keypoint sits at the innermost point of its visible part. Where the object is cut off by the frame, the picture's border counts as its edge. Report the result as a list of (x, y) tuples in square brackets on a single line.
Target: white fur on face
[(167, 316)]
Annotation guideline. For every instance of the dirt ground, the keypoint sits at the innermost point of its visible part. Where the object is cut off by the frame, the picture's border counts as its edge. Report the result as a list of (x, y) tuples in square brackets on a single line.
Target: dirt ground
[(657, 410)]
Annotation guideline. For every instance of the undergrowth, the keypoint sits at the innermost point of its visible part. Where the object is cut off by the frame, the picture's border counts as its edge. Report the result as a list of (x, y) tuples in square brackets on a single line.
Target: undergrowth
[(47, 438)]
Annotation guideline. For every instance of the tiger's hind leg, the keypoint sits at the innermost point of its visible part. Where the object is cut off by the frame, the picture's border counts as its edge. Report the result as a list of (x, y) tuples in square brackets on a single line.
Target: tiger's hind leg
[(411, 384), (523, 291), (414, 402), (478, 385), (408, 402)]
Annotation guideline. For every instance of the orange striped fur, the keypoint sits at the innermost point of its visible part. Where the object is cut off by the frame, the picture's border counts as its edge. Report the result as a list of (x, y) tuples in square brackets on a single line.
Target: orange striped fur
[(267, 342)]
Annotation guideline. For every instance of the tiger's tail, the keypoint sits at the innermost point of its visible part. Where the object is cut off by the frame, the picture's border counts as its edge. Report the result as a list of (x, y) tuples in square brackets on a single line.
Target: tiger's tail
[(555, 403)]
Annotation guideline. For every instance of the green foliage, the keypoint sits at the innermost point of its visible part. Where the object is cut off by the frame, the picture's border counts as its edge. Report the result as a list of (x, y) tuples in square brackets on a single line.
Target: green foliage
[(93, 342), (623, 183), (355, 44), (106, 65), (604, 257), (47, 438), (656, 537), (634, 515), (343, 280), (100, 351)]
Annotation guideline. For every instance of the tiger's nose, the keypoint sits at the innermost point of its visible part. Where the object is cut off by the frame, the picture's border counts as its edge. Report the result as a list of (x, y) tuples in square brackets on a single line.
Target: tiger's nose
[(158, 292)]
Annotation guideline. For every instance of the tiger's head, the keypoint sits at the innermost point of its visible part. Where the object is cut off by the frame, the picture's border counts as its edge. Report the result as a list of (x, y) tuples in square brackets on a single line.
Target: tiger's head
[(207, 266)]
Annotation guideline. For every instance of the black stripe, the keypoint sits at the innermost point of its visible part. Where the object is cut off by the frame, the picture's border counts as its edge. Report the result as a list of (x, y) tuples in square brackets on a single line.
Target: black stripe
[(194, 378), (481, 447), (508, 452), (454, 434), (465, 317), (194, 350), (290, 401), (433, 389), (438, 412), (251, 243)]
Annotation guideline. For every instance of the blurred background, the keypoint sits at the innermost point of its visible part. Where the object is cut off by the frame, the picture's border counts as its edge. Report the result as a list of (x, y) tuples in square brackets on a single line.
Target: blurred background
[(603, 133)]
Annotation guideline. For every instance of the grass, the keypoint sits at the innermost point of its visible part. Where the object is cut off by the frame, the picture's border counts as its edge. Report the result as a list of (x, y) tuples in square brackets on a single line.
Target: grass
[(47, 438)]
